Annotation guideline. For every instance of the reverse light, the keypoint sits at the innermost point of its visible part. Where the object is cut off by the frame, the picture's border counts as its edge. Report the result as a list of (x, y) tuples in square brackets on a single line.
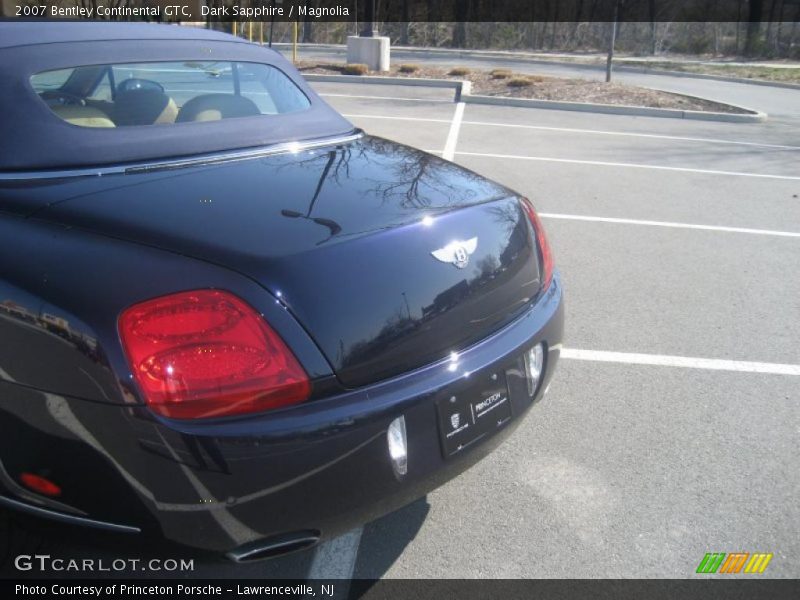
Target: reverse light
[(206, 353), (534, 361), (541, 240), (398, 446), (40, 485)]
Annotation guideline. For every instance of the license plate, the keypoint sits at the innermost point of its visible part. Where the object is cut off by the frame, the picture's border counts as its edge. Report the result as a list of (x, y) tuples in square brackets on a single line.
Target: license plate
[(472, 414)]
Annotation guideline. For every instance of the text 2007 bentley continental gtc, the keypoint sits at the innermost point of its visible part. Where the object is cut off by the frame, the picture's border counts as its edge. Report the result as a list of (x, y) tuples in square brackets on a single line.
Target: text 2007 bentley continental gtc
[(228, 317)]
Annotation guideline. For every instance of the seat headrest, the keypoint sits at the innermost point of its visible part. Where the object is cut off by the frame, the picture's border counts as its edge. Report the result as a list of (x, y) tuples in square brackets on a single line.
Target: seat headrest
[(144, 107), (213, 107)]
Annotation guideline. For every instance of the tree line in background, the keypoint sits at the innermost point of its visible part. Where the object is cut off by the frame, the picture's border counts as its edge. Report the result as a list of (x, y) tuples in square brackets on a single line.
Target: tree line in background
[(751, 28), (767, 39)]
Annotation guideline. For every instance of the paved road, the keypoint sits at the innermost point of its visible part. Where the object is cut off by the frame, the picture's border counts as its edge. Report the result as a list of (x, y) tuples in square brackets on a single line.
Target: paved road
[(630, 470), (679, 243)]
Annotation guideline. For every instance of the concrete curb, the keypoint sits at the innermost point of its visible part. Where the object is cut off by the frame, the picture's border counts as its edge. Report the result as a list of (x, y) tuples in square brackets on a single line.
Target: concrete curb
[(384, 80), (461, 88), (463, 94), (689, 75)]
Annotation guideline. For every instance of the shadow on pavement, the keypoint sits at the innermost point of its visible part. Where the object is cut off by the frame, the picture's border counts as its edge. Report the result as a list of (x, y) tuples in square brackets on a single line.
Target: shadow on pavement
[(385, 539)]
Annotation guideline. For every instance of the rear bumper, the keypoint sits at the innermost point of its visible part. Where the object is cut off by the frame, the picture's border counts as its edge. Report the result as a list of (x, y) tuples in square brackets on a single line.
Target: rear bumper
[(322, 468)]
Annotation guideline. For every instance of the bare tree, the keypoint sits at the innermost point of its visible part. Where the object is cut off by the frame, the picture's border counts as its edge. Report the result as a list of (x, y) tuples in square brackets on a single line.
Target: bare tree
[(612, 40), (754, 16), (652, 10)]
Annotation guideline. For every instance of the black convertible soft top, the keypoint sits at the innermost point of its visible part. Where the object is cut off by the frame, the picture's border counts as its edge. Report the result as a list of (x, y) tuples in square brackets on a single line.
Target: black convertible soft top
[(32, 137)]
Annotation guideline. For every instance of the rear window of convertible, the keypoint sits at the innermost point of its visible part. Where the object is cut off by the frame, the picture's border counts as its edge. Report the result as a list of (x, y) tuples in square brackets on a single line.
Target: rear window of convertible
[(162, 93)]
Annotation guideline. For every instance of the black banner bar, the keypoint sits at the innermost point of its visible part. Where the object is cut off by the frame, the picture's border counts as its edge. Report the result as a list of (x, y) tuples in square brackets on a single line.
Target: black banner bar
[(410, 589), (387, 11)]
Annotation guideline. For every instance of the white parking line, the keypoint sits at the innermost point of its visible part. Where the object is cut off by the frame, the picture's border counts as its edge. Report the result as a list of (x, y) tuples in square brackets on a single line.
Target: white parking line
[(452, 135), (586, 131), (420, 119), (630, 134), (670, 224), (686, 362), (600, 163), (336, 558), (386, 98)]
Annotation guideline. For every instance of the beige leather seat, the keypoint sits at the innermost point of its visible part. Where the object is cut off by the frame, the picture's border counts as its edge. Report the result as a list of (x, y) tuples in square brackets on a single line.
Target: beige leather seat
[(144, 107), (213, 107), (84, 116)]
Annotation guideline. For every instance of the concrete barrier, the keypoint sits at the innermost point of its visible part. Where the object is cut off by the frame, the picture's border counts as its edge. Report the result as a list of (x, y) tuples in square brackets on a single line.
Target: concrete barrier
[(619, 109)]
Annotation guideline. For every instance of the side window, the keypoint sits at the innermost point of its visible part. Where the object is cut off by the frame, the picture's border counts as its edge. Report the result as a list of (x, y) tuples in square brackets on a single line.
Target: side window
[(102, 93), (51, 80), (271, 90), (251, 82)]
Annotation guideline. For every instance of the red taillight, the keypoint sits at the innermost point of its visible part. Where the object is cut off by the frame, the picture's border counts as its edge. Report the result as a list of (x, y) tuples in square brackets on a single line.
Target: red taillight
[(40, 485), (541, 240), (205, 354)]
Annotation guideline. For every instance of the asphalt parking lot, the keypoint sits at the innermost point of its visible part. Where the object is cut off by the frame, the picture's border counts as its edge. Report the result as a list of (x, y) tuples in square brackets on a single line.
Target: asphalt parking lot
[(626, 469), (673, 424)]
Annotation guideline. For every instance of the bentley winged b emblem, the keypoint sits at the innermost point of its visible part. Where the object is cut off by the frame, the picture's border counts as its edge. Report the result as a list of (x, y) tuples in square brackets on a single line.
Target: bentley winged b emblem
[(457, 252), (455, 420)]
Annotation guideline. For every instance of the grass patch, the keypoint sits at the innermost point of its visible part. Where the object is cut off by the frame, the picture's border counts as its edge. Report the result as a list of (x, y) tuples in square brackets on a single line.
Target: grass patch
[(519, 82), (310, 66), (459, 71), (408, 68), (500, 73), (355, 69)]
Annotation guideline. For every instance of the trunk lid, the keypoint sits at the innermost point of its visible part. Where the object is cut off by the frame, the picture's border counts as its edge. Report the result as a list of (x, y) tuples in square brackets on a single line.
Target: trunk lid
[(363, 243)]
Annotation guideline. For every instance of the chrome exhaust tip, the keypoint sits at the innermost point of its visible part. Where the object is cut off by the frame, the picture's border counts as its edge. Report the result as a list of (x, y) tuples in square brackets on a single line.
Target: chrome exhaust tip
[(278, 545)]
